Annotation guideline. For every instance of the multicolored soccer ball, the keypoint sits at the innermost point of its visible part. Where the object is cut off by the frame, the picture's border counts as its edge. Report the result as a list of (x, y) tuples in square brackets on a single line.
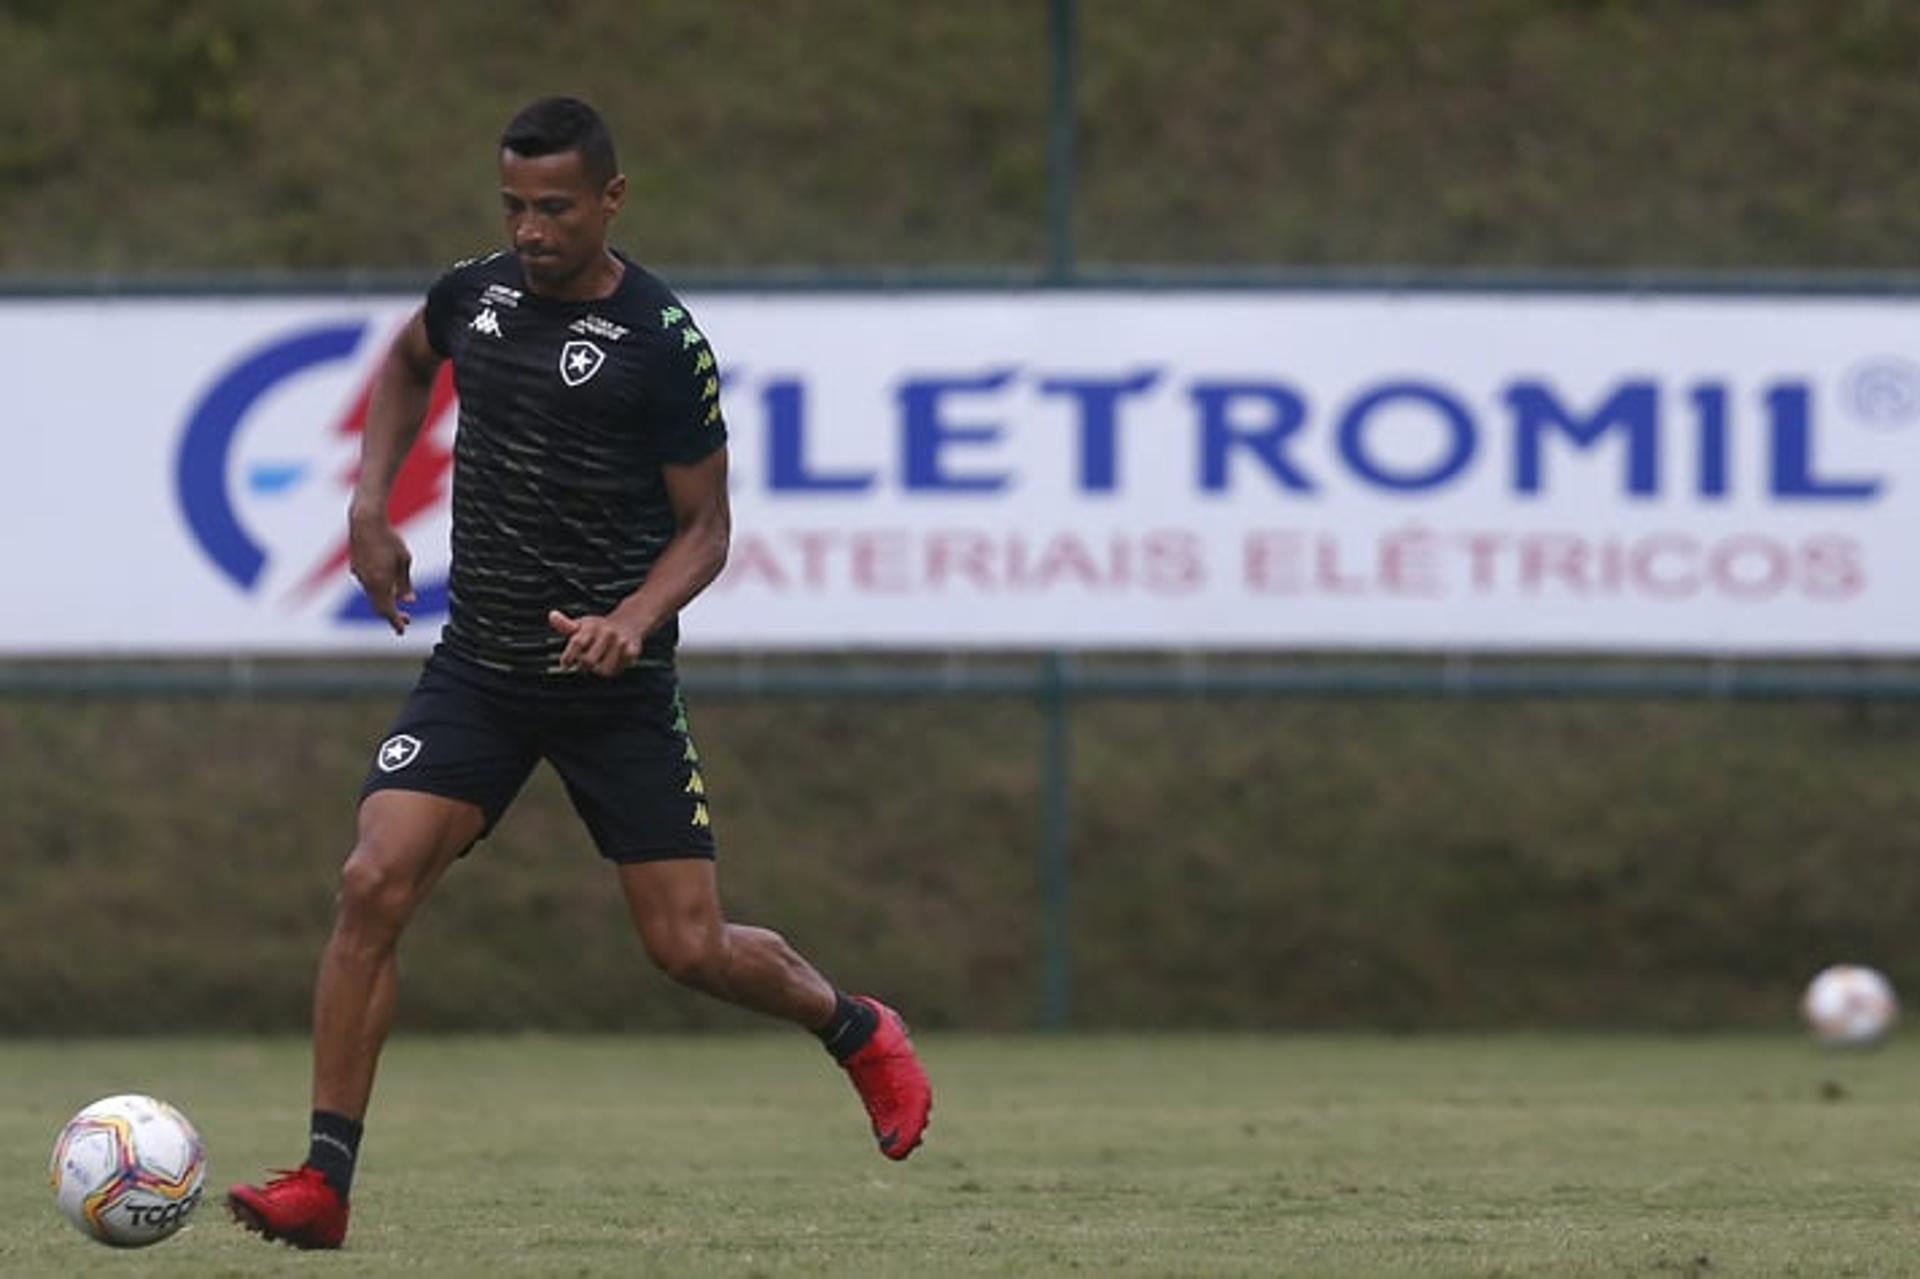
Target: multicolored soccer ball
[(1850, 1006), (127, 1170)]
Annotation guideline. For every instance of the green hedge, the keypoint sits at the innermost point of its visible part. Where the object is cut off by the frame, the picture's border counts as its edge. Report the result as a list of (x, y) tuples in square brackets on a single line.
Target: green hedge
[(168, 864)]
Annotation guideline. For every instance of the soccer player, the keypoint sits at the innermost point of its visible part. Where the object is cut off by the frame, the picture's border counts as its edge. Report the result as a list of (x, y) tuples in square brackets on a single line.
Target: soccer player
[(589, 506)]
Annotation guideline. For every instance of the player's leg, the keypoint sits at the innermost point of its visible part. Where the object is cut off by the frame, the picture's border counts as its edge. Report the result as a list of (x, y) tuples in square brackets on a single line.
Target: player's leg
[(634, 776), (453, 762), (675, 904), (405, 842), (633, 773)]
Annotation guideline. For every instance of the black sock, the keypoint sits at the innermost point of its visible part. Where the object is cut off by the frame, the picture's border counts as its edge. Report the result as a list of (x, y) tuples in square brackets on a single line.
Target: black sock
[(332, 1146), (850, 1027)]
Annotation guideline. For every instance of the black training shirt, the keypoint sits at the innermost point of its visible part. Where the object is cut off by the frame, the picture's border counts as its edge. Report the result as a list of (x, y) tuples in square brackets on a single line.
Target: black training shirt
[(568, 411)]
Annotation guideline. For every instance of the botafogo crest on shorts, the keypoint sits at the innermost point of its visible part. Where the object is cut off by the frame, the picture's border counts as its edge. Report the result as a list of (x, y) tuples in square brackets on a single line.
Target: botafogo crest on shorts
[(397, 752), (622, 748)]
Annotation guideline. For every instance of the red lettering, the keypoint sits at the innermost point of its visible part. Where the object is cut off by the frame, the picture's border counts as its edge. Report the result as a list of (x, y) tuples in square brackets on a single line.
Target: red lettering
[(1483, 551), (1611, 571), (1646, 553), (815, 545), (1066, 556), (960, 557), (1830, 568), (1328, 572), (1750, 568), (880, 562), (753, 563), (1270, 562), (1408, 563), (1173, 563), (1550, 557)]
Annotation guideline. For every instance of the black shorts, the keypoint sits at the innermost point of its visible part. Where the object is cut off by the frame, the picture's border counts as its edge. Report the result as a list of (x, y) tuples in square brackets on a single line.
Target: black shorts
[(621, 746)]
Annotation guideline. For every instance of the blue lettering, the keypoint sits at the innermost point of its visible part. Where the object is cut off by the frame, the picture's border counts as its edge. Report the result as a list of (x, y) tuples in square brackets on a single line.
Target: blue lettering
[(1099, 423), (1459, 424), (1284, 411), (927, 436), (1793, 451), (1710, 400), (787, 471), (1634, 406)]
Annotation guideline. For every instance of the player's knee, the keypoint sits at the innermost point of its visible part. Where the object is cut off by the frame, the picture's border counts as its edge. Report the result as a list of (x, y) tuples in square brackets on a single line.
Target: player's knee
[(373, 895), (693, 957)]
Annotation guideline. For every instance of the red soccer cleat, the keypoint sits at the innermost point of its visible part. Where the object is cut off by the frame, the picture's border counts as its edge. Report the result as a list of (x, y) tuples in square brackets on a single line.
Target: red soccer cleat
[(297, 1207), (891, 1083)]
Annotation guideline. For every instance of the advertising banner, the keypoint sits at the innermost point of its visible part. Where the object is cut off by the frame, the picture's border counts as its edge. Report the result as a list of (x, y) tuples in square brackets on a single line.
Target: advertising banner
[(1245, 470)]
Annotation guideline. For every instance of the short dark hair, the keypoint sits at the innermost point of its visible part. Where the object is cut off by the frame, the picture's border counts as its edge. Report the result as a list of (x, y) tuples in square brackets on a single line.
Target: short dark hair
[(551, 126)]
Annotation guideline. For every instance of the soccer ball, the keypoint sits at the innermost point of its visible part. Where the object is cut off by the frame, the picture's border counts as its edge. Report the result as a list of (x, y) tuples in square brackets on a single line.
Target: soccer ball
[(1850, 1005), (127, 1170)]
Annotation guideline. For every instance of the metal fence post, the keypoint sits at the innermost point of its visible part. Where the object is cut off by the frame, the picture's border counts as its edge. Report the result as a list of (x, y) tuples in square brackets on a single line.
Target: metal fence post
[(1056, 781), (1060, 145)]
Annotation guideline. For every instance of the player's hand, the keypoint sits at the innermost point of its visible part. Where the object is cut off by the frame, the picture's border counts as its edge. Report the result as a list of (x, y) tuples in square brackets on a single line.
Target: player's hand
[(599, 645), (379, 558)]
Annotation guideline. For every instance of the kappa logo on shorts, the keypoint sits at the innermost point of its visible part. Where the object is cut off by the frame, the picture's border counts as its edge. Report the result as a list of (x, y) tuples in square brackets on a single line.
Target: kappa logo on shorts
[(397, 752), (580, 361)]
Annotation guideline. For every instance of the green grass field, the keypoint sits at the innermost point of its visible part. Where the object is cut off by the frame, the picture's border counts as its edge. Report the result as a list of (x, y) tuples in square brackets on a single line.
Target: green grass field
[(1150, 1155)]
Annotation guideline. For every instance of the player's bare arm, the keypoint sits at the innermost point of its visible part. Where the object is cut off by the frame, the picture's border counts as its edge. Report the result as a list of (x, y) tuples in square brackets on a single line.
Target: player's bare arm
[(377, 553), (608, 645)]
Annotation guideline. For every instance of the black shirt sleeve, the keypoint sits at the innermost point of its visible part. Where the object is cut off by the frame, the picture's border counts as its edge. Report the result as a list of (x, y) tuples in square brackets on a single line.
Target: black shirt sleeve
[(683, 393), (439, 312)]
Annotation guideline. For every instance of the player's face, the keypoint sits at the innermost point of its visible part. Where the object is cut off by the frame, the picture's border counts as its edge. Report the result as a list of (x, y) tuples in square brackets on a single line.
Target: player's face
[(557, 217)]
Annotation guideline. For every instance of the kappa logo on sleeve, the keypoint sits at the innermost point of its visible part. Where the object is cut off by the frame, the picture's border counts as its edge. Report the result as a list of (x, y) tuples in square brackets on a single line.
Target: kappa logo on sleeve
[(579, 361)]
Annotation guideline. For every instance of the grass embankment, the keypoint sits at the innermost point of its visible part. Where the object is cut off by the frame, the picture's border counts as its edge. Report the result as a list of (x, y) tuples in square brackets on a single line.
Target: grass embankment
[(226, 136), (1114, 1155), (169, 863)]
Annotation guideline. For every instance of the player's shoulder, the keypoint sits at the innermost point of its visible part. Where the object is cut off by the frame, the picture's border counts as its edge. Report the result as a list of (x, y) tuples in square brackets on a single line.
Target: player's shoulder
[(474, 290), (497, 268), (649, 305)]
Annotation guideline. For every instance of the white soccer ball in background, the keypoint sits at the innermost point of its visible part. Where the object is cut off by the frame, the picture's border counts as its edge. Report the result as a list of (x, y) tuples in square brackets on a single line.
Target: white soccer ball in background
[(127, 1170), (1850, 1005)]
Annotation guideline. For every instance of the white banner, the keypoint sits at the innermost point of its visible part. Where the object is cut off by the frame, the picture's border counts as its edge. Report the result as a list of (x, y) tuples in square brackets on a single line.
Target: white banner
[(1244, 470)]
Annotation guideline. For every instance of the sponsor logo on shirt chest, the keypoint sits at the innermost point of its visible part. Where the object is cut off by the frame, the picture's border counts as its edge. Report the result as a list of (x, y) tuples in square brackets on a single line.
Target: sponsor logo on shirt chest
[(594, 327)]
